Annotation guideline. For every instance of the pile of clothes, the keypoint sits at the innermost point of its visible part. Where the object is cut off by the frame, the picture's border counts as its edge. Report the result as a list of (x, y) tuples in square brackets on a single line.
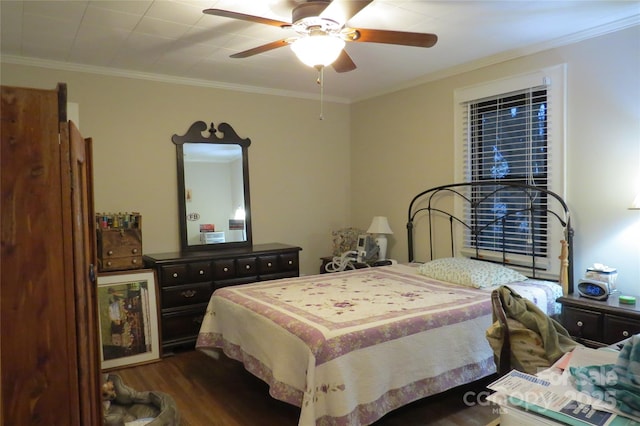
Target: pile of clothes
[(619, 382), (535, 340)]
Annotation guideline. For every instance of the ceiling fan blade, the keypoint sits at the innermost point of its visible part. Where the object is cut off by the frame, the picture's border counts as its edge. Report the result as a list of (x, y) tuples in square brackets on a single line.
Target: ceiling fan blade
[(244, 17), (260, 49), (344, 63), (343, 10), (393, 37)]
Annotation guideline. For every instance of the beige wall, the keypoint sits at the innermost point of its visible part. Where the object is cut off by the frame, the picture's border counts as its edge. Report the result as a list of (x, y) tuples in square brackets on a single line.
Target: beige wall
[(402, 143), (299, 165), (305, 181)]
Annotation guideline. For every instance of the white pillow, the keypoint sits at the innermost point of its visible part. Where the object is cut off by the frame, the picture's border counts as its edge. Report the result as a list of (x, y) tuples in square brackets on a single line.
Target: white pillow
[(469, 272)]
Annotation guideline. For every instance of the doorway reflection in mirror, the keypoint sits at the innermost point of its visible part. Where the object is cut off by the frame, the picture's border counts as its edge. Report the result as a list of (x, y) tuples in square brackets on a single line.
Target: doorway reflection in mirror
[(213, 174)]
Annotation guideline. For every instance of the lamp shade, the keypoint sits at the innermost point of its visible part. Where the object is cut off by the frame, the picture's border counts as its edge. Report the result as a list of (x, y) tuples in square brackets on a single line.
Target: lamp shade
[(318, 50), (635, 205), (379, 225)]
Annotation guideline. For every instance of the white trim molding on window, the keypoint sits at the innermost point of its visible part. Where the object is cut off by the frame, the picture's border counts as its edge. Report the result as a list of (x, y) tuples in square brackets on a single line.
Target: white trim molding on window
[(513, 129)]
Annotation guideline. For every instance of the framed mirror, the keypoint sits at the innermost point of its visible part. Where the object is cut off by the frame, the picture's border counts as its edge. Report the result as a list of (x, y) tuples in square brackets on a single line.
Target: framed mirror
[(213, 188)]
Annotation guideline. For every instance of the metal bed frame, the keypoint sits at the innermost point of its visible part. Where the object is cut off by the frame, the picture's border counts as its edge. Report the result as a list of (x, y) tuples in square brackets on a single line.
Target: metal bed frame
[(424, 204)]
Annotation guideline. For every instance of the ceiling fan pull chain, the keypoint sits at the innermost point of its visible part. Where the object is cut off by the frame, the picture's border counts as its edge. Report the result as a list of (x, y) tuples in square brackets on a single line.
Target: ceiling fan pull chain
[(320, 81)]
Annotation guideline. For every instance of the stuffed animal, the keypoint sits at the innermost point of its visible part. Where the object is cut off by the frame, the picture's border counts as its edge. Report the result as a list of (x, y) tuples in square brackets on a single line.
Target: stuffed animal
[(108, 391), (108, 394)]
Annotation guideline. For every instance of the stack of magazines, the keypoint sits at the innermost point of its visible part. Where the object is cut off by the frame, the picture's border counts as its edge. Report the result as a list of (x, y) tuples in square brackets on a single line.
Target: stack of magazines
[(555, 394)]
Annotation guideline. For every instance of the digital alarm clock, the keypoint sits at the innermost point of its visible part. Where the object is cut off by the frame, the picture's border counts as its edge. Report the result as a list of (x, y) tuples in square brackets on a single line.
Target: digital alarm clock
[(593, 289)]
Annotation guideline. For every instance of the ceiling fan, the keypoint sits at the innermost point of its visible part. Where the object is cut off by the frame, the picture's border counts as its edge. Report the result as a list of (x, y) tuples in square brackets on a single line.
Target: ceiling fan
[(322, 23)]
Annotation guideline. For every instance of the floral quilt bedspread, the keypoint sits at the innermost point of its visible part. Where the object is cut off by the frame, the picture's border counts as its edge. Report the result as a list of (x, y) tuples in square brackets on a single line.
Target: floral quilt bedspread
[(542, 293), (349, 347)]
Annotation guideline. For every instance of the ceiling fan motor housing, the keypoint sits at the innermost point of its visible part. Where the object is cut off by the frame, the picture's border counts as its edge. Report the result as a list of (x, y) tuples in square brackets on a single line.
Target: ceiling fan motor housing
[(306, 10), (307, 20)]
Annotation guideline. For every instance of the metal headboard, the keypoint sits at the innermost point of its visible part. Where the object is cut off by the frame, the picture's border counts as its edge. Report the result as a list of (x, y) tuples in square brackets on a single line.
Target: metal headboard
[(423, 204)]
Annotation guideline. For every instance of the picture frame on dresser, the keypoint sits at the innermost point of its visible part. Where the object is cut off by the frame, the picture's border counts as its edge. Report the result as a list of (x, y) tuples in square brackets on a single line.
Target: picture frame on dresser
[(128, 318)]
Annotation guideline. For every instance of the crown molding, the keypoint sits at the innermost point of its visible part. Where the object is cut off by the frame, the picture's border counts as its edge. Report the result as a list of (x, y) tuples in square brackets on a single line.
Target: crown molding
[(162, 78)]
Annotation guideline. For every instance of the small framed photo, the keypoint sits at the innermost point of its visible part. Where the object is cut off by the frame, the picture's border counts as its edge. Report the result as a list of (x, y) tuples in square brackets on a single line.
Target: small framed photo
[(128, 317)]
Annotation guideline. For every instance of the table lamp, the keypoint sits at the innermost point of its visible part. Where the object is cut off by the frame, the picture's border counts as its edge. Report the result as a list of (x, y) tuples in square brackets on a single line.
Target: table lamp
[(380, 227), (635, 205)]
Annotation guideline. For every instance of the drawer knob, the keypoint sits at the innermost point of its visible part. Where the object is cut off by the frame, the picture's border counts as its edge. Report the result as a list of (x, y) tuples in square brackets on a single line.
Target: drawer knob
[(579, 324), (175, 275), (188, 293), (134, 251), (110, 252), (225, 269), (625, 333), (291, 262), (247, 267), (134, 261), (269, 264), (201, 272), (109, 263)]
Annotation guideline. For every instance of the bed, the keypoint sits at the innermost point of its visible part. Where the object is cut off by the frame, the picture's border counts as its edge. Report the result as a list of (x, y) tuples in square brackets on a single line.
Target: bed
[(351, 346)]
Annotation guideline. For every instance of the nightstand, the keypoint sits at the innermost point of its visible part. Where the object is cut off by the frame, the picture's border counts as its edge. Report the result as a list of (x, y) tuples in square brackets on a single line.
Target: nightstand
[(598, 323)]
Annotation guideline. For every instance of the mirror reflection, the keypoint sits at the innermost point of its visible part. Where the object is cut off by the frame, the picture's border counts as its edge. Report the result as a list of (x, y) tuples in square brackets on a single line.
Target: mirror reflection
[(214, 193), (213, 188)]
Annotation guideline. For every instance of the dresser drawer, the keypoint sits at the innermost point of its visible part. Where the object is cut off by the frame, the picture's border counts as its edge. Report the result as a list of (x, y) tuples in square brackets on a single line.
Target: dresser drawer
[(120, 263), (172, 275), (288, 261), (267, 264), (234, 281), (200, 272), (224, 269), (182, 324), (247, 266), (582, 323), (186, 295), (618, 328)]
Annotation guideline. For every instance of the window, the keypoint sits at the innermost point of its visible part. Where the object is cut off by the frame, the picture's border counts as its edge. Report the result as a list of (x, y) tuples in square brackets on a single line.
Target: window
[(508, 142), (508, 131)]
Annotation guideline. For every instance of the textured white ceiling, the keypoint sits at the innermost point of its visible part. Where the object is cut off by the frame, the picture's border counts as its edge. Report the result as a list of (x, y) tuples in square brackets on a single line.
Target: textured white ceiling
[(159, 38)]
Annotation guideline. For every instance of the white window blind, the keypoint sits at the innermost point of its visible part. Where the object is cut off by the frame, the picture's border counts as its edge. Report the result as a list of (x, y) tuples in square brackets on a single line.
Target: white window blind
[(512, 130), (507, 141)]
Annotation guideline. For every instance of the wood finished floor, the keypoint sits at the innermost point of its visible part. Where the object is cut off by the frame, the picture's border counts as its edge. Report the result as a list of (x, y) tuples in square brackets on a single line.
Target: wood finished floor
[(221, 392)]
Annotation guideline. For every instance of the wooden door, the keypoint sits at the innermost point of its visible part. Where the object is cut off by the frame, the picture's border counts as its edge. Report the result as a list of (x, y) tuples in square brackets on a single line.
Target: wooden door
[(84, 256)]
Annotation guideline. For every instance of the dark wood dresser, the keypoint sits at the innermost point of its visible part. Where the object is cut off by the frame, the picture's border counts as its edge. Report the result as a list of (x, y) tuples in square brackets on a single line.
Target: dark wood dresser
[(187, 280)]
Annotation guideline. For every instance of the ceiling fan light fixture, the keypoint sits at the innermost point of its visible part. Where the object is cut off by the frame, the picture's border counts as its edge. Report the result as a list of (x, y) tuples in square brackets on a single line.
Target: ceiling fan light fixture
[(318, 50)]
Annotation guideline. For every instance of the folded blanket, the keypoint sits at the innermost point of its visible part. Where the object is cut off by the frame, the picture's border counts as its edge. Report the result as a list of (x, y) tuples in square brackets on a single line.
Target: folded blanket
[(617, 383)]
